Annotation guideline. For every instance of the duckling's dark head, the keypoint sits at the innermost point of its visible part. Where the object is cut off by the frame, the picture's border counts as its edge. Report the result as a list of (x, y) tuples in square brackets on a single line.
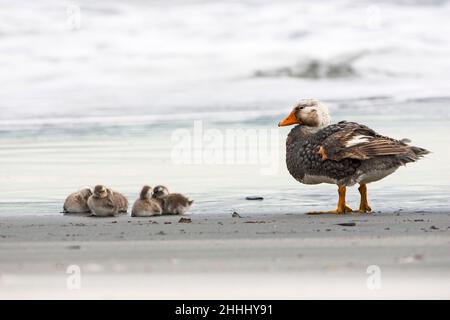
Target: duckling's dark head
[(86, 192), (160, 191), (100, 191), (308, 112), (146, 192)]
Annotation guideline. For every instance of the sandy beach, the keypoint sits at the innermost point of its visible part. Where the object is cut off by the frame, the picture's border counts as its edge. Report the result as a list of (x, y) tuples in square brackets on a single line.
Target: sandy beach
[(220, 257)]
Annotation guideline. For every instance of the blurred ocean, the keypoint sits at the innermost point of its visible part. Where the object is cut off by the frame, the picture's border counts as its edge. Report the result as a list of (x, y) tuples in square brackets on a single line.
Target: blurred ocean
[(91, 92)]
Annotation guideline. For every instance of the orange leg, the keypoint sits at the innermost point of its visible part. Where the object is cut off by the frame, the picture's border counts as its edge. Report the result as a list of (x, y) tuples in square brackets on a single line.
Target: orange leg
[(364, 204), (341, 208)]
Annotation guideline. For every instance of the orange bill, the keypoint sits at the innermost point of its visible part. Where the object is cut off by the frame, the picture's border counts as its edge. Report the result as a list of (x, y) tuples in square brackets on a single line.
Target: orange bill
[(290, 119)]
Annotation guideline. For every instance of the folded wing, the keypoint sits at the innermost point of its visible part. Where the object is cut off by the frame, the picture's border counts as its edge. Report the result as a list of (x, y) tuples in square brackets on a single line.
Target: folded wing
[(357, 141)]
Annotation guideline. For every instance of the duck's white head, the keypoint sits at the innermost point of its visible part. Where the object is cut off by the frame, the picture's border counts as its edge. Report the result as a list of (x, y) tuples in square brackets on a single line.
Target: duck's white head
[(308, 112)]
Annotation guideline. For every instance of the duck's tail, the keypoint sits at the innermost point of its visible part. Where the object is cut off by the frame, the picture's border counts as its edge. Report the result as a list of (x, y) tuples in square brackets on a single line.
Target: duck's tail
[(414, 154), (419, 152)]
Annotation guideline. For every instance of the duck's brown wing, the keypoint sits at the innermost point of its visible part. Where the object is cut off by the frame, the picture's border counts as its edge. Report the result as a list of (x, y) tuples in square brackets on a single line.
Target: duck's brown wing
[(357, 141)]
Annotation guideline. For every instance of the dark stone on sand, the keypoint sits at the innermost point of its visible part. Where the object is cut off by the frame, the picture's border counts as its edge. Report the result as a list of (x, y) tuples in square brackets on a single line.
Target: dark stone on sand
[(185, 220), (254, 198), (347, 224), (235, 215)]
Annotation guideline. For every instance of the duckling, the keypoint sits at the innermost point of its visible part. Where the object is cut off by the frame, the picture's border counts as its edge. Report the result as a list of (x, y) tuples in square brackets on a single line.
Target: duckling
[(171, 203), (104, 202), (146, 206), (77, 201)]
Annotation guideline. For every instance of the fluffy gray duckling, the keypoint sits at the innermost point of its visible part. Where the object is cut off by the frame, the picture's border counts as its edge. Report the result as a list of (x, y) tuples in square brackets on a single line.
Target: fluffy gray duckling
[(77, 202), (146, 206), (171, 203), (107, 203)]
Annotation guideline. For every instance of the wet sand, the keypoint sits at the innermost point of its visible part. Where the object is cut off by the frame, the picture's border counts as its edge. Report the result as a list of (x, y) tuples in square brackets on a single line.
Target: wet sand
[(217, 256)]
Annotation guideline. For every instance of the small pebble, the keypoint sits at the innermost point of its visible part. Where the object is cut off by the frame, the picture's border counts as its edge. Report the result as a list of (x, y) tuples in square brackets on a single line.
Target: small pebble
[(185, 220), (254, 198), (347, 224), (235, 215)]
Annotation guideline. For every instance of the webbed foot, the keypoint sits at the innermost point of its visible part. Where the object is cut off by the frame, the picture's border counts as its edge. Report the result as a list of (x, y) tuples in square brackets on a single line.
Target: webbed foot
[(345, 209)]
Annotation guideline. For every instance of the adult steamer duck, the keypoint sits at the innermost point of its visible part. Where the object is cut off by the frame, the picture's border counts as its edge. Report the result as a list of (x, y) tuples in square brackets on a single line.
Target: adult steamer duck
[(344, 154)]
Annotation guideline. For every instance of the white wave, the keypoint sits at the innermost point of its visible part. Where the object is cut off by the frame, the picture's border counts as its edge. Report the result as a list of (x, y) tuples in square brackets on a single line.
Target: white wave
[(139, 59)]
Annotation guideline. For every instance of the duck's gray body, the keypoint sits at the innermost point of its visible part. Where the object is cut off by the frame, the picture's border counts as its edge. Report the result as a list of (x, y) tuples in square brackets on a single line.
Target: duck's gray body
[(354, 154)]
